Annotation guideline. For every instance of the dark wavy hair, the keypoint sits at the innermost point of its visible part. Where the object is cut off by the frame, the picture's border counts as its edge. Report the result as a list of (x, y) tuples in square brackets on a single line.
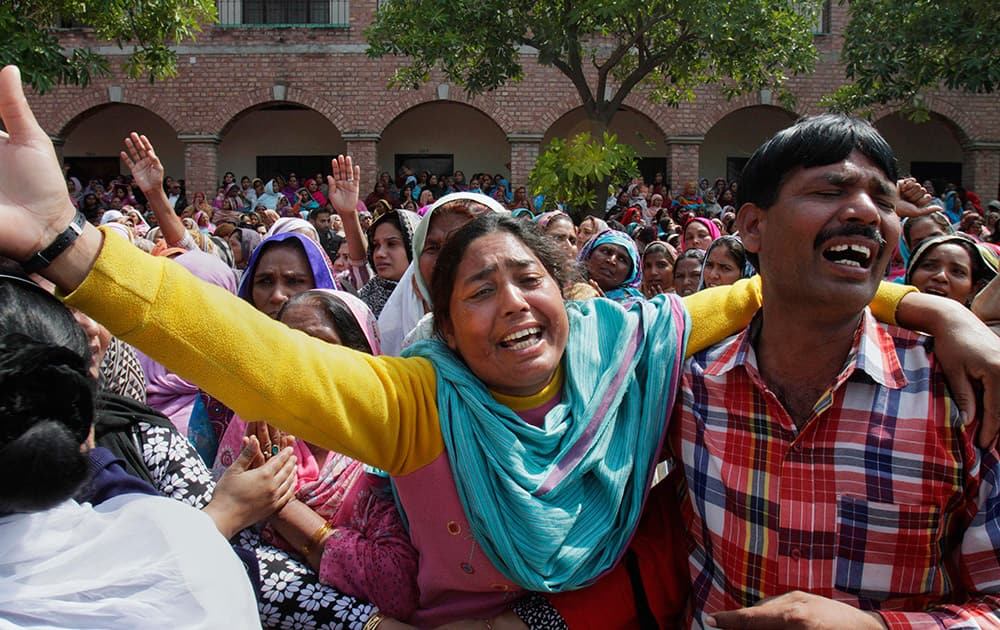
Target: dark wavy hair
[(47, 398), (335, 314), (454, 250)]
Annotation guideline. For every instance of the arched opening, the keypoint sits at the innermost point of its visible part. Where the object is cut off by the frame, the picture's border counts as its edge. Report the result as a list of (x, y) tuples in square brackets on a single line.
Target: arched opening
[(733, 139), (442, 137), (274, 138), (632, 127), (930, 150), (94, 139)]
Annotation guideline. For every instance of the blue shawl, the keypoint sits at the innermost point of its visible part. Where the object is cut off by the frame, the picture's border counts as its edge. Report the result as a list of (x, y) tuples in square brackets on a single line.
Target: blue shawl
[(629, 291), (554, 507)]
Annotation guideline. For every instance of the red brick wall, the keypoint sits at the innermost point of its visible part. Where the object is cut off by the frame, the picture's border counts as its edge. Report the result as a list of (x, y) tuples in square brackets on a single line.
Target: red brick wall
[(326, 69)]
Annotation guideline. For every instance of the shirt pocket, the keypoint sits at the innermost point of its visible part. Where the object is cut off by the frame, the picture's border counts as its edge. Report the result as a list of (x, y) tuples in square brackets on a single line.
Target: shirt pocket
[(886, 550)]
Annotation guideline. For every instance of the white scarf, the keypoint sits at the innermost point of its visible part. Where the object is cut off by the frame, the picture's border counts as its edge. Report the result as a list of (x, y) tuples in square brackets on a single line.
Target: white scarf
[(134, 561)]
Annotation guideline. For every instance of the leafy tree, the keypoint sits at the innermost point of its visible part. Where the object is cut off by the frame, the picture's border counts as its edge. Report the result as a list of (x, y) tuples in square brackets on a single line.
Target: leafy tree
[(895, 49), (607, 48), (570, 172), (28, 38)]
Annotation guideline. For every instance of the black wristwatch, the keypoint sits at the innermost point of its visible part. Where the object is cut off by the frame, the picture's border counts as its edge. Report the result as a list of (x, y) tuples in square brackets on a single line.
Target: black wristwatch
[(44, 258)]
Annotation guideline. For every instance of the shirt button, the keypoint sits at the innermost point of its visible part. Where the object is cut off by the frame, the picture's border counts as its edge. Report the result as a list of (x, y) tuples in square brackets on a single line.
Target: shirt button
[(796, 554), (797, 447)]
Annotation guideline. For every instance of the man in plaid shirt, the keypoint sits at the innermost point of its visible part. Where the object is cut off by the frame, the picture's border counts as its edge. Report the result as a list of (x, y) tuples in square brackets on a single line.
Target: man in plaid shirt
[(831, 480)]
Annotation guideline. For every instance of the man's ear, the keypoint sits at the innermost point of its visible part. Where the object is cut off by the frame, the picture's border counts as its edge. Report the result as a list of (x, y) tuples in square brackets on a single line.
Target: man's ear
[(751, 222)]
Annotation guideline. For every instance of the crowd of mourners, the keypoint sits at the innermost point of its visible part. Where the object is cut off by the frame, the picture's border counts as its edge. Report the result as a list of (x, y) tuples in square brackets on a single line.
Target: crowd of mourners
[(502, 412)]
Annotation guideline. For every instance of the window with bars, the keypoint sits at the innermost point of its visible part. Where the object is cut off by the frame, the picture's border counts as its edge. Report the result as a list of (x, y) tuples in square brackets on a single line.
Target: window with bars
[(284, 13)]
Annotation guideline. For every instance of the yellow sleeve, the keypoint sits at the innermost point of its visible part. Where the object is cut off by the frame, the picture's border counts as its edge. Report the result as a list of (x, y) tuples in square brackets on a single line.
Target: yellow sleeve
[(887, 300), (380, 410), (720, 312)]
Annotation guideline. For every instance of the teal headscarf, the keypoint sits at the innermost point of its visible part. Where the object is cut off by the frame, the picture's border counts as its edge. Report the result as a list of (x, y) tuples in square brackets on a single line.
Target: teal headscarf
[(554, 507), (629, 291)]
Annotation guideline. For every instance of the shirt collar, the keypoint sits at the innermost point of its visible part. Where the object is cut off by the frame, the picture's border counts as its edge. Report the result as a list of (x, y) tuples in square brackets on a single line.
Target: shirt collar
[(873, 353)]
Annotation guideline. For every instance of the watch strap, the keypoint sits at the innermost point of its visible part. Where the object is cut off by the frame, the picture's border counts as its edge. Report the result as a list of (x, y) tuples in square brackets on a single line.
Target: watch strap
[(41, 260)]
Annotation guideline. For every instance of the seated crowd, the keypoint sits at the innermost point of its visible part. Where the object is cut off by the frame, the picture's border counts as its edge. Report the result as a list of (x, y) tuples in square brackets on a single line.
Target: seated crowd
[(447, 402)]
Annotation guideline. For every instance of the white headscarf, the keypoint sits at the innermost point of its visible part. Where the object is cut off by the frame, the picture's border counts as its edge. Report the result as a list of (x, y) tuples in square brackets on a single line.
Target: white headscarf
[(133, 561), (405, 307)]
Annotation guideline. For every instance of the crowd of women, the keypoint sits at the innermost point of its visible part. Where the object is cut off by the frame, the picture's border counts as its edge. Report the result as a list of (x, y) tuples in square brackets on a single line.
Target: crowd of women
[(474, 412)]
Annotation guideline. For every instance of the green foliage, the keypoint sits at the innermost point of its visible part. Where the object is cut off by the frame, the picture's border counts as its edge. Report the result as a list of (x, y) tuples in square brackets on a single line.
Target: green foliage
[(570, 172), (148, 26), (605, 47), (896, 49)]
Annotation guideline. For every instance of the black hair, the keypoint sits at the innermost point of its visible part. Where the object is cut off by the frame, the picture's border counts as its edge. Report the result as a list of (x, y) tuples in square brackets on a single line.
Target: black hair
[(694, 253), (42, 350), (937, 217), (393, 218), (660, 247), (812, 141), (733, 246), (336, 315), (451, 255), (315, 212)]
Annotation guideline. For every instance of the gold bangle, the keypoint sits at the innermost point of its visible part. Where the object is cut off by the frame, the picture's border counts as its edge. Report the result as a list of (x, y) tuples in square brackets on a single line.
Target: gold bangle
[(373, 621), (317, 539), (320, 534)]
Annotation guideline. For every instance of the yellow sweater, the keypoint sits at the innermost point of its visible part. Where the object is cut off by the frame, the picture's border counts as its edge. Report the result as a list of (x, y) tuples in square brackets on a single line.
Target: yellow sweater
[(380, 410)]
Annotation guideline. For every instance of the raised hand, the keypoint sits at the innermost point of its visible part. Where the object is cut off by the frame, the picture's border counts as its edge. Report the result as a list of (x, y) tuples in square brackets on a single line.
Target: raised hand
[(141, 160), (914, 200), (344, 185), (34, 203)]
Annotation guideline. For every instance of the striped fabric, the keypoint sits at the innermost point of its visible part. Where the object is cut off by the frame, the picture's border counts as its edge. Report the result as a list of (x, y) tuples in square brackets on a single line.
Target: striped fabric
[(881, 500)]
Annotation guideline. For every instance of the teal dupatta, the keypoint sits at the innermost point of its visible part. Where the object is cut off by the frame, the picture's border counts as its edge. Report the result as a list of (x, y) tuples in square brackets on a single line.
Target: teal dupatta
[(554, 507)]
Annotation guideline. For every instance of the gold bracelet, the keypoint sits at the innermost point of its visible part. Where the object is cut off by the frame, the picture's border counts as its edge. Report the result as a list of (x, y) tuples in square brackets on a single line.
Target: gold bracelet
[(320, 534), (316, 539), (373, 621)]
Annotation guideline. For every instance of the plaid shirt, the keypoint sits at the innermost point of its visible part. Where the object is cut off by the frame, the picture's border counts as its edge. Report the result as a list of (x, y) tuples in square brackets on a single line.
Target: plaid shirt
[(881, 500)]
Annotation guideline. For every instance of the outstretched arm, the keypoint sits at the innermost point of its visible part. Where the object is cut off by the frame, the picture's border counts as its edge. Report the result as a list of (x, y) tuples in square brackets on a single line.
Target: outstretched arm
[(34, 205), (147, 302)]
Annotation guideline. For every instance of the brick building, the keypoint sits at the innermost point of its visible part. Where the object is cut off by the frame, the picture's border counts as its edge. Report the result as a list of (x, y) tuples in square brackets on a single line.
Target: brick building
[(255, 97)]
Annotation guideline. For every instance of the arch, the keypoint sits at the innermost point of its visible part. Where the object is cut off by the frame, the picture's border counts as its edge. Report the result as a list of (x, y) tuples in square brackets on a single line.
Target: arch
[(941, 110), (927, 150), (735, 136), (244, 102), (80, 108), (709, 118), (632, 127), (296, 139), (94, 138), (471, 136), (492, 108)]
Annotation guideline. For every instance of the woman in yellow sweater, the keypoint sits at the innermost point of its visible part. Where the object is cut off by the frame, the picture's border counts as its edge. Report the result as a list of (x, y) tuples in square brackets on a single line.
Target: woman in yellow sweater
[(521, 446)]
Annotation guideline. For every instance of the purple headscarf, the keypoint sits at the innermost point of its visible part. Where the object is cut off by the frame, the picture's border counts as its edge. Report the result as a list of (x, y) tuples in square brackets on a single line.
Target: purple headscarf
[(322, 276)]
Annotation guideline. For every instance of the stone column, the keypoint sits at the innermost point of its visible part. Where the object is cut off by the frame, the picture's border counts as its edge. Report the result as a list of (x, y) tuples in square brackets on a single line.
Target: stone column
[(362, 146), (524, 150), (201, 162), (981, 171), (682, 161)]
